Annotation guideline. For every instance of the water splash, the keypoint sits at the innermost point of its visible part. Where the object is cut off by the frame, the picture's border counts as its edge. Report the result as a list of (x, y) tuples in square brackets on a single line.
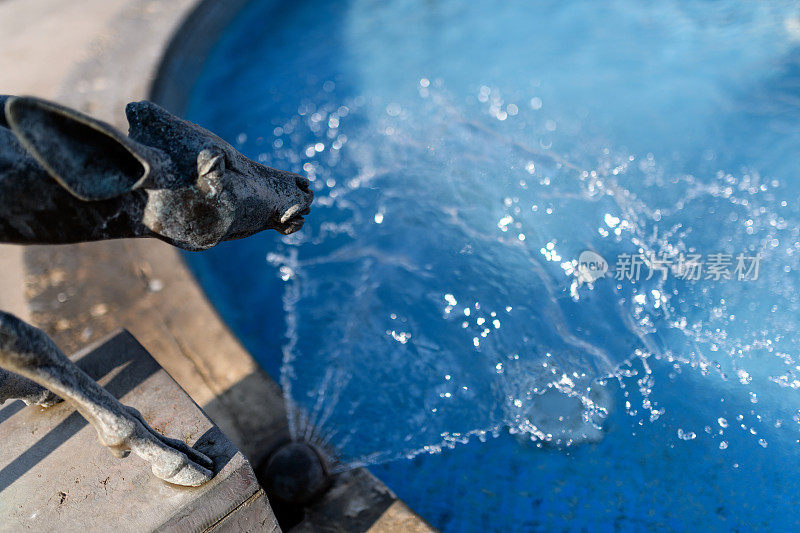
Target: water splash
[(434, 296), (441, 294)]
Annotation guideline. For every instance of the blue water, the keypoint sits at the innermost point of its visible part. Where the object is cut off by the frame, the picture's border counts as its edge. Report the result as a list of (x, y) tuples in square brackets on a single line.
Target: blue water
[(431, 320)]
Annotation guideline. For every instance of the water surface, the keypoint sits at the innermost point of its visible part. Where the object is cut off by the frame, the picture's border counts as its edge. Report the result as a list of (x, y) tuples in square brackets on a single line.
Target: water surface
[(464, 156)]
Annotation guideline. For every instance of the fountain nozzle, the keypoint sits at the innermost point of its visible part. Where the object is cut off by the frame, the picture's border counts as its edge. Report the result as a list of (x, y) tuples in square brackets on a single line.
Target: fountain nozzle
[(296, 473)]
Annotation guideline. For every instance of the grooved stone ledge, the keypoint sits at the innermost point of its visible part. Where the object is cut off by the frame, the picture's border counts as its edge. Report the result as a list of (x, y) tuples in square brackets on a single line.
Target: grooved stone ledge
[(56, 476)]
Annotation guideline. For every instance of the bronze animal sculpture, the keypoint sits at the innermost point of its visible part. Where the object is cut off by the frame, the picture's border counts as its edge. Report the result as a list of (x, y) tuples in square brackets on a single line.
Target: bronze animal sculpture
[(66, 177)]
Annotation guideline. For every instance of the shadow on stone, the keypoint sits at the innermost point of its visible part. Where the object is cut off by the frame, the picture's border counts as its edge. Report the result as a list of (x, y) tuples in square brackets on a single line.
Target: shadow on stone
[(98, 363), (214, 444), (68, 478)]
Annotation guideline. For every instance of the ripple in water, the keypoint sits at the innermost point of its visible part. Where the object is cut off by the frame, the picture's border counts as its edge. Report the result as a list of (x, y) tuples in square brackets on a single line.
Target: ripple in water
[(438, 297), (433, 295)]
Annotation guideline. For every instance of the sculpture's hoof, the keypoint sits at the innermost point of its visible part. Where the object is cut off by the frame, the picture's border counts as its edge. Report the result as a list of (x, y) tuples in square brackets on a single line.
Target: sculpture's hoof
[(172, 460), (296, 474), (189, 475)]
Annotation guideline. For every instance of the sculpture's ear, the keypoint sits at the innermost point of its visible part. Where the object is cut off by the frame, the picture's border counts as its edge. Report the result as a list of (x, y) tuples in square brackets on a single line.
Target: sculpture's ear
[(89, 158)]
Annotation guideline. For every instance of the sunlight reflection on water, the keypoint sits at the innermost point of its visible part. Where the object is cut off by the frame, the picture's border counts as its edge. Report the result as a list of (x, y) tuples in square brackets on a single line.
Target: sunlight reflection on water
[(434, 294)]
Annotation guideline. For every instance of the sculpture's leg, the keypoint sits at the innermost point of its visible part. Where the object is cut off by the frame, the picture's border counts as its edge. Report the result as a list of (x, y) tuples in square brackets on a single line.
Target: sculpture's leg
[(15, 387), (29, 352)]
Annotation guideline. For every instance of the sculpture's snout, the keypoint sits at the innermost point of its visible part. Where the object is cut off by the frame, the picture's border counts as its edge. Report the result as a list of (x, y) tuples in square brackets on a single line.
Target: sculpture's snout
[(291, 220)]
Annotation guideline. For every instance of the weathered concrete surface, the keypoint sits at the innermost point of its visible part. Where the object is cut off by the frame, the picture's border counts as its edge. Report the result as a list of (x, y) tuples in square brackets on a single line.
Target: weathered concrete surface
[(55, 475), (42, 40), (31, 64), (398, 518), (12, 286)]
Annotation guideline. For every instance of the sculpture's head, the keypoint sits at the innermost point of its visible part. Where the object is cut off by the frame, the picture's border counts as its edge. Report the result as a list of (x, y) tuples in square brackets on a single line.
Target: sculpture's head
[(198, 189)]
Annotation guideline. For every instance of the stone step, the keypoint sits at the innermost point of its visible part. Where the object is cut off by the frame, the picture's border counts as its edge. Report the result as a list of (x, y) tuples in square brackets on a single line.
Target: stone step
[(56, 476)]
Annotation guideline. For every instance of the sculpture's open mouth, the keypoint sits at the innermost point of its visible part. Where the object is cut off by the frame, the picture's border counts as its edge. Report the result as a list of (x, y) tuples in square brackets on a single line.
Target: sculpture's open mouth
[(292, 220)]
